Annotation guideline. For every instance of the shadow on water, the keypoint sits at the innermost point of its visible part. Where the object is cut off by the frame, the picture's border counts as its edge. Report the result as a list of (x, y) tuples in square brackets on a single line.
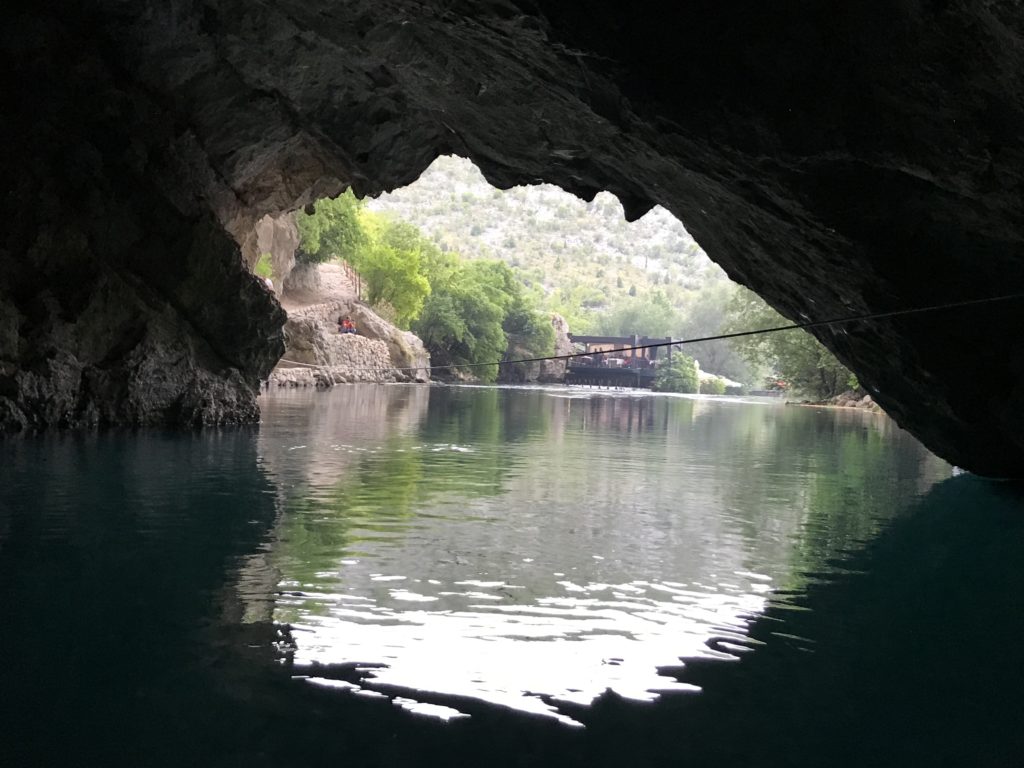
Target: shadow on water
[(116, 558), (907, 655), (122, 645)]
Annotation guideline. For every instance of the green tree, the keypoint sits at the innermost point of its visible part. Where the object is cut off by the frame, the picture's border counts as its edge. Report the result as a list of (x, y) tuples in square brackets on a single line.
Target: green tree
[(652, 316), (529, 331), (712, 386), (391, 263), (475, 312), (332, 231), (704, 313), (796, 356), (388, 255), (392, 277), (461, 324), (679, 375)]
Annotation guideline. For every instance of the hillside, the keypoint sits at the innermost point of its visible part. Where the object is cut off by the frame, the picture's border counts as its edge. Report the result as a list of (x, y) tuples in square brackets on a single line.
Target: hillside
[(580, 258)]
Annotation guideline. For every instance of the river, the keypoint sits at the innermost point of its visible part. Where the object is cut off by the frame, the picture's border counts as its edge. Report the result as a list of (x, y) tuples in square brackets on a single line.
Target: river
[(430, 575)]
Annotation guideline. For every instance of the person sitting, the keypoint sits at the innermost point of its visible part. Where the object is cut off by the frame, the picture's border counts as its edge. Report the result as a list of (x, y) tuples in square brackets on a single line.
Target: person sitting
[(347, 326)]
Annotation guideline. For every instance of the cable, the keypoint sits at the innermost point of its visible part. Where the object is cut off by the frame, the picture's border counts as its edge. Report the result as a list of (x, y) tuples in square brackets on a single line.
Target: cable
[(736, 335), (740, 334), (296, 362)]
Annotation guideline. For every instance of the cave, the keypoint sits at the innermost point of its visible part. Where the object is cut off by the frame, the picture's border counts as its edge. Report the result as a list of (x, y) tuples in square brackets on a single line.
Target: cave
[(838, 160)]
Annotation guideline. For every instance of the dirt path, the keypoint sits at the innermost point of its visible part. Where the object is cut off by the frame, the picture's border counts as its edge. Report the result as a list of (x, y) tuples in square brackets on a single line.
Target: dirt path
[(335, 285)]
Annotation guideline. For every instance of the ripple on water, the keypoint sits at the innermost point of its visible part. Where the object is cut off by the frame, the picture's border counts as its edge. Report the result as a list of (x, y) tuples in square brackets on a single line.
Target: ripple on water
[(563, 648), (534, 550)]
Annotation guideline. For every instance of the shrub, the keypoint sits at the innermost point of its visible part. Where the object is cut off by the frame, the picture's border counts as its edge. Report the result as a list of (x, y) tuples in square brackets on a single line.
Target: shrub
[(263, 267), (712, 386), (680, 375)]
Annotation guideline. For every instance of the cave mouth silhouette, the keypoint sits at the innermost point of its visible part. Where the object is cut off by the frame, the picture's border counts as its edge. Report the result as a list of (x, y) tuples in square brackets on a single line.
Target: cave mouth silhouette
[(835, 162)]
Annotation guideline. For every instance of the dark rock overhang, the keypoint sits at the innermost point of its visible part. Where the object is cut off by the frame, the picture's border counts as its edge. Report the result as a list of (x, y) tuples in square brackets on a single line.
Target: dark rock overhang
[(836, 158)]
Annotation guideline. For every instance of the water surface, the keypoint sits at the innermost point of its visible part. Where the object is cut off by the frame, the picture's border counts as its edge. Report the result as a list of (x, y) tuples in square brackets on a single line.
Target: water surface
[(532, 548), (457, 575)]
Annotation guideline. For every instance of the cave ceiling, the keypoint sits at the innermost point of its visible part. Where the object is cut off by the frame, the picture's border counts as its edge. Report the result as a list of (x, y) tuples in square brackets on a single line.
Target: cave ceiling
[(838, 158)]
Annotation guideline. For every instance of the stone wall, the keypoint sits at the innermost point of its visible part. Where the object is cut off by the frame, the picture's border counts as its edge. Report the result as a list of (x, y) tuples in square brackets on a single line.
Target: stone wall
[(349, 358), (379, 352)]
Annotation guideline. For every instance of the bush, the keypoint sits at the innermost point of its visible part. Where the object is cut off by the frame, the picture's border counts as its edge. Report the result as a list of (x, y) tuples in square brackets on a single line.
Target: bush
[(715, 386), (795, 356), (678, 376), (263, 266), (332, 231)]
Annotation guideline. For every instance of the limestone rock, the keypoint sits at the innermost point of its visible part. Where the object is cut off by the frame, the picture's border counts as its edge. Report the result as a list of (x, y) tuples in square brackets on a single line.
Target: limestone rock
[(837, 158), (278, 236), (854, 398), (547, 371), (379, 352), (302, 278), (554, 370)]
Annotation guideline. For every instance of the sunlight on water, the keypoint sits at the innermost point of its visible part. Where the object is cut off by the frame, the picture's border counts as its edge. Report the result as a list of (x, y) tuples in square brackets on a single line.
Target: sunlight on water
[(561, 648), (328, 589), (534, 549)]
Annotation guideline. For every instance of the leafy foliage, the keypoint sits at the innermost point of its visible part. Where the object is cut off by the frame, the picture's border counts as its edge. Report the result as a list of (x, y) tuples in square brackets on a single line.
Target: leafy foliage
[(461, 324), (466, 312), (581, 257), (333, 231), (263, 267), (679, 375), (652, 316), (580, 260), (712, 386), (704, 315), (474, 310), (529, 331), (542, 249), (794, 356), (391, 265)]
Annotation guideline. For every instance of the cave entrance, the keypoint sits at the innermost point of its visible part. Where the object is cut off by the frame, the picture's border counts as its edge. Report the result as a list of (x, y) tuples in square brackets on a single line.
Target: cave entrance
[(454, 267)]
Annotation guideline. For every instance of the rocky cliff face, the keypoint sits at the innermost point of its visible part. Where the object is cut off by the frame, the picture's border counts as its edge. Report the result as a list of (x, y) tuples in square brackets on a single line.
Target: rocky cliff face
[(278, 236), (554, 370), (547, 371), (836, 160), (379, 352)]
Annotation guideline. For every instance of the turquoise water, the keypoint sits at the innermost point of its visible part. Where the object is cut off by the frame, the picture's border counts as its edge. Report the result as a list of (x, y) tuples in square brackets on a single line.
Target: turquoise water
[(409, 575)]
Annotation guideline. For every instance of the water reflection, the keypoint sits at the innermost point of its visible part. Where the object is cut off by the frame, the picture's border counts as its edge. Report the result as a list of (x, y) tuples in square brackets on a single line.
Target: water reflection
[(119, 613), (533, 549), (139, 571), (894, 658)]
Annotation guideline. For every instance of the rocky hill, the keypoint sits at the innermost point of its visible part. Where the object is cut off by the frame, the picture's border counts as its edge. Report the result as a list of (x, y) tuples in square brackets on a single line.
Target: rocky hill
[(570, 250)]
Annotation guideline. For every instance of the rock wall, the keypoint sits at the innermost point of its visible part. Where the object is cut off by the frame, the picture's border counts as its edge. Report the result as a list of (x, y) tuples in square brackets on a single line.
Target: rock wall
[(554, 370), (547, 371), (302, 278), (123, 300), (836, 159), (278, 236), (349, 359), (379, 352)]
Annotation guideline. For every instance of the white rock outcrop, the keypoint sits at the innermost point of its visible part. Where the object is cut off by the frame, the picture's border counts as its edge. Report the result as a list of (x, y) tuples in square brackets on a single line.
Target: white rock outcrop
[(318, 355)]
